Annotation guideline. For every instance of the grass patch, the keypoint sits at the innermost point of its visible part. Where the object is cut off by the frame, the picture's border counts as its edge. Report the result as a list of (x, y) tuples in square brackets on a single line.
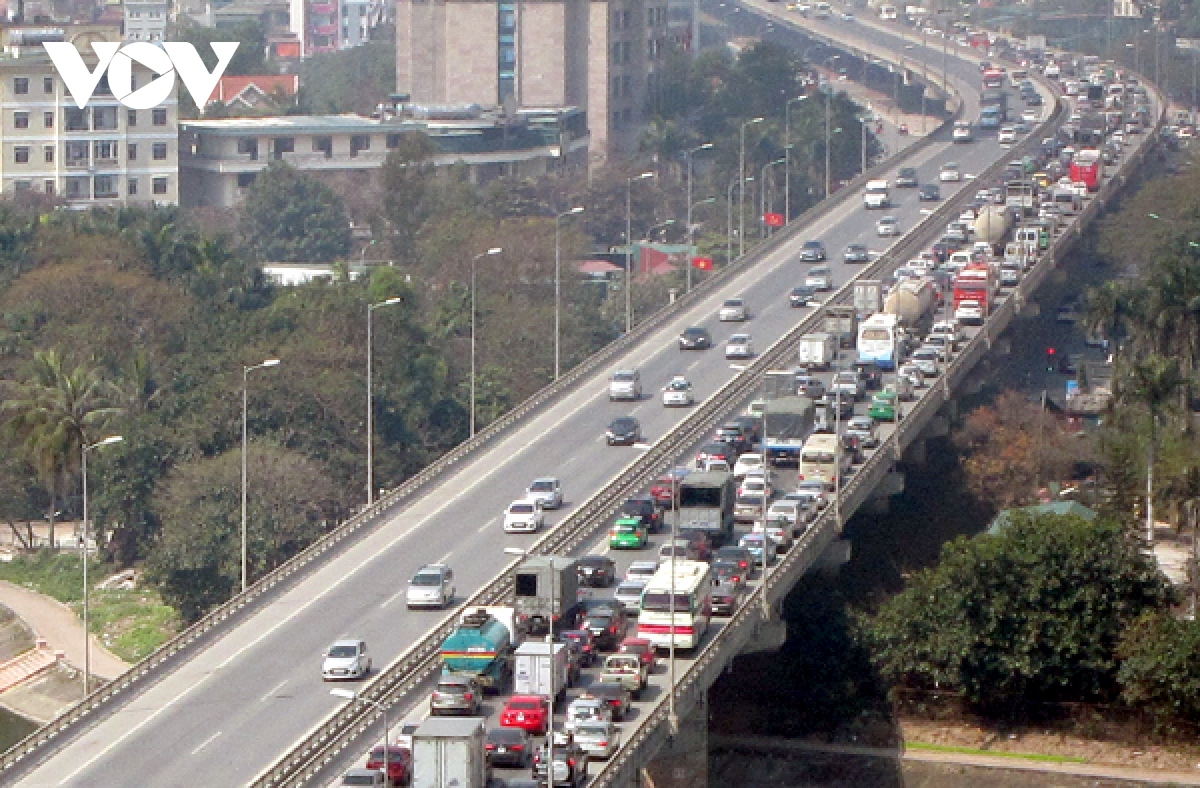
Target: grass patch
[(1026, 756), (131, 624)]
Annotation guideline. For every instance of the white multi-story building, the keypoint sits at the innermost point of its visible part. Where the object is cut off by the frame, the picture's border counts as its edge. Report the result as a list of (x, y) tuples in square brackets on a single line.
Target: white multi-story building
[(145, 20)]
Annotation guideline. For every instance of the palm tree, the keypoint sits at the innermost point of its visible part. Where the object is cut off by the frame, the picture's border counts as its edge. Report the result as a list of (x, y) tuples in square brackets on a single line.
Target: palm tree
[(1106, 313), (1153, 382), (52, 414)]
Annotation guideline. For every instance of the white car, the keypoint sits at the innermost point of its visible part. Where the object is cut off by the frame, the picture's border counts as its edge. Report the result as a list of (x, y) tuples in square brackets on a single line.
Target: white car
[(431, 586), (739, 346), (748, 463), (887, 226), (754, 486), (629, 593), (926, 359), (598, 739), (678, 393), (778, 529), (785, 510), (524, 516), (951, 329), (819, 277), (913, 374), (969, 312), (1007, 135), (732, 311), (641, 571), (1029, 116), (547, 491), (346, 659), (950, 173), (583, 710)]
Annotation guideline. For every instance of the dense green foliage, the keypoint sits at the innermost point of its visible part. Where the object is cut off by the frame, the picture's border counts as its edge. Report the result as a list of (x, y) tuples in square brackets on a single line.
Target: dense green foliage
[(1160, 669), (352, 80), (288, 216)]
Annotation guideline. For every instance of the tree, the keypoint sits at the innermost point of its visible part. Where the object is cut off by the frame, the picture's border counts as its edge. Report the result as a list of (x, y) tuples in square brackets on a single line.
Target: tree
[(1160, 668), (196, 561), (292, 217), (1152, 382), (53, 414), (1032, 614), (352, 80)]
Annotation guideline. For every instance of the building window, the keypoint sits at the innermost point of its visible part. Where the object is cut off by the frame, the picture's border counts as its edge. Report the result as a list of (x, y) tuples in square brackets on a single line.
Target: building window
[(323, 145), (21, 154), (282, 145), (49, 186), (132, 187), (626, 51), (106, 186), (359, 143), (48, 153), (77, 153), (104, 119), (77, 119), (393, 141), (616, 120), (23, 186), (246, 179), (131, 118), (48, 119), (79, 188), (626, 86), (20, 85), (159, 117), (21, 120), (616, 87), (160, 185), (616, 52), (131, 151), (105, 151), (627, 116), (626, 19), (47, 84), (248, 146), (160, 151)]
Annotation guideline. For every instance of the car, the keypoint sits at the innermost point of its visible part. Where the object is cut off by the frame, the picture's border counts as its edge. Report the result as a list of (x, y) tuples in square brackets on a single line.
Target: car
[(802, 296), (547, 491), (699, 540), (530, 713), (850, 383), (717, 450), (678, 393), (627, 670), (778, 531), (615, 695), (926, 358), (360, 777), (729, 572), (847, 16), (887, 226), (746, 463), (642, 648), (628, 534), (813, 251), (819, 277), (1007, 135), (524, 516), (969, 312), (642, 507), (856, 253), (625, 384), (761, 546), (863, 427), (624, 431), (431, 586), (747, 508), (665, 487), (587, 710), (585, 642), (749, 425), (399, 763), (942, 342), (607, 625), (456, 693), (1030, 115), (695, 338), (598, 739), (791, 511), (346, 659), (756, 485), (1033, 100), (739, 346), (906, 178), (950, 173), (733, 310), (929, 192), (681, 549), (508, 747), (641, 570), (596, 571), (570, 763), (737, 555), (912, 374), (629, 593)]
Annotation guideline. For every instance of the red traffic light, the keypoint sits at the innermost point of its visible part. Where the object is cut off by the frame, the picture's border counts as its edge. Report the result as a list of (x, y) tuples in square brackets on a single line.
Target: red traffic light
[(1049, 351)]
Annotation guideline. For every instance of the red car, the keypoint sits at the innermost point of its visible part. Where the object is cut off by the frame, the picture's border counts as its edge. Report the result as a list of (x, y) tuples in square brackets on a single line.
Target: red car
[(399, 763), (640, 646), (528, 712)]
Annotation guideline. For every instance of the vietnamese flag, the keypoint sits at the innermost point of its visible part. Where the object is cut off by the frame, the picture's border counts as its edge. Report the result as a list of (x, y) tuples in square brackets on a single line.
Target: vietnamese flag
[(773, 219), (702, 263)]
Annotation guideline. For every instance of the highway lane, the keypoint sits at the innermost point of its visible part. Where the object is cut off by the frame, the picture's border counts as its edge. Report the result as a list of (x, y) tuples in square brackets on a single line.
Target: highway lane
[(231, 709)]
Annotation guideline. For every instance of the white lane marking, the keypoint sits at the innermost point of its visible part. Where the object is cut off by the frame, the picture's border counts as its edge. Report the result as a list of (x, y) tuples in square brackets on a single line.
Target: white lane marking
[(206, 742), (444, 558), (393, 597), (272, 691), (486, 526)]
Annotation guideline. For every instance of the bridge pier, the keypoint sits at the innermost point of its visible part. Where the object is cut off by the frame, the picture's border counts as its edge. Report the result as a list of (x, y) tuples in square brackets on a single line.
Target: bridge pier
[(683, 761)]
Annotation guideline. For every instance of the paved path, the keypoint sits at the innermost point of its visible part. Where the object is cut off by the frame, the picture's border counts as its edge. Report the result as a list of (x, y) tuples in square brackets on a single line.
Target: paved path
[(61, 628)]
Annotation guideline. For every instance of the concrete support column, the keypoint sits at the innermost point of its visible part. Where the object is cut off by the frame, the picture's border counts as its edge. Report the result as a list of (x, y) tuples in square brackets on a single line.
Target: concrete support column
[(683, 760)]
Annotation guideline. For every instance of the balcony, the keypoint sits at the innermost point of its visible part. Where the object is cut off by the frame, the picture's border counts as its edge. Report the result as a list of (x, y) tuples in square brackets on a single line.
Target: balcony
[(317, 9), (325, 30)]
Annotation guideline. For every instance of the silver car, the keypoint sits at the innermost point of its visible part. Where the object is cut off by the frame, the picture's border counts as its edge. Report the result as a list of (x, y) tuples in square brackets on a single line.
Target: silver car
[(431, 586), (629, 594), (584, 710), (456, 694), (346, 659), (597, 739), (625, 384), (548, 490), (926, 360)]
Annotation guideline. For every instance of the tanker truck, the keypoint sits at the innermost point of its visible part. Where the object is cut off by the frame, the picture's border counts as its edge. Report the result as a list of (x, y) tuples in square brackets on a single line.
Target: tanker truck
[(481, 646), (911, 301), (992, 226)]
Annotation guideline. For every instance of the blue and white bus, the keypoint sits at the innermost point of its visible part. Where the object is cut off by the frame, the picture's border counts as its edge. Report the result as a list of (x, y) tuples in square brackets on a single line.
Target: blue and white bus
[(879, 339)]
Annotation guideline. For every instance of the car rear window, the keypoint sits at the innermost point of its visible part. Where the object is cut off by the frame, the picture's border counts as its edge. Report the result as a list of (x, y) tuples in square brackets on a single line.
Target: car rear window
[(524, 705)]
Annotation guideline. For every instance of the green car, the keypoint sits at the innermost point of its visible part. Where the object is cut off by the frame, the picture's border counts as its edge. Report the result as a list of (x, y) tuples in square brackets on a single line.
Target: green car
[(883, 406), (628, 534)]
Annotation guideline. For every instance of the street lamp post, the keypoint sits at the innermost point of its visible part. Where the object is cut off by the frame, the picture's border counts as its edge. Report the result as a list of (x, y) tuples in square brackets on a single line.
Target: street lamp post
[(553, 690), (474, 262), (828, 131), (762, 195), (691, 237), (558, 287), (629, 247), (742, 189), (87, 642), (352, 695), (787, 155), (729, 222), (271, 362), (766, 603), (370, 401), (691, 152)]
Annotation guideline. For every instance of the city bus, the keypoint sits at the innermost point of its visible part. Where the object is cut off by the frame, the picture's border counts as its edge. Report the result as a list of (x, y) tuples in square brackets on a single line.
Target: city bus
[(878, 340), (692, 585)]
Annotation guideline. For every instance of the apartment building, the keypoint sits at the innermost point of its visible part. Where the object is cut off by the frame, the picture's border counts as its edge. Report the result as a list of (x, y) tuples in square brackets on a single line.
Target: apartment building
[(330, 25), (220, 159), (146, 20), (101, 154)]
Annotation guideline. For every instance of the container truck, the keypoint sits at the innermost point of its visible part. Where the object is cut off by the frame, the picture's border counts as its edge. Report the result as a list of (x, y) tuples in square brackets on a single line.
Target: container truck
[(997, 101), (546, 589), (779, 383), (1021, 195), (841, 322), (868, 298), (975, 283), (911, 301), (706, 502), (817, 350), (536, 669), (1085, 168), (448, 752), (481, 645), (992, 226), (788, 422)]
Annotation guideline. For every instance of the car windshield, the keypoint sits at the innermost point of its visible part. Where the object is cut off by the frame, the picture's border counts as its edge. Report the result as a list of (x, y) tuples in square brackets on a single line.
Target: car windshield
[(591, 730), (630, 589), (521, 508), (597, 622), (734, 302), (694, 332), (739, 339), (812, 244), (427, 579), (626, 528), (623, 424), (342, 652), (678, 385), (542, 485), (623, 377)]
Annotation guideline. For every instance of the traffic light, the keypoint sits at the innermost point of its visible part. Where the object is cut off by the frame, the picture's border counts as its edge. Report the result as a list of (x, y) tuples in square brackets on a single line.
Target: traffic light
[(1050, 365)]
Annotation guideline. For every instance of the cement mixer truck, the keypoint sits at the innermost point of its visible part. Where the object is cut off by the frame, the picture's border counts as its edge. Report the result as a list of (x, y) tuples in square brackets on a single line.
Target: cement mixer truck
[(992, 226)]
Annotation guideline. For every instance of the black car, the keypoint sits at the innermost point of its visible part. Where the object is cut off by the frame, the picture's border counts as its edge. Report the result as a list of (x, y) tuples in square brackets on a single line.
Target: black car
[(717, 451), (734, 437), (584, 640), (695, 338), (725, 600), (598, 571), (642, 507), (607, 626), (508, 747), (832, 400), (872, 373), (929, 192), (730, 573), (802, 296), (750, 426), (857, 253), (1034, 99), (624, 431), (907, 177), (570, 764), (738, 555), (812, 252)]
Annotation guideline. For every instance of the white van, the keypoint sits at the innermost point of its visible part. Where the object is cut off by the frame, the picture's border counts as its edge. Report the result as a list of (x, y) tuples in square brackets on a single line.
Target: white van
[(875, 195)]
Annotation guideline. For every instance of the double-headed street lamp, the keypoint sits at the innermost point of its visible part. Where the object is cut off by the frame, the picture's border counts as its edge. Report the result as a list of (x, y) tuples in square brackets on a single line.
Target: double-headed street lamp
[(691, 152), (349, 694), (271, 362), (742, 190), (557, 285), (762, 195), (828, 131), (474, 261), (729, 221), (787, 155), (87, 642), (629, 246), (370, 402)]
